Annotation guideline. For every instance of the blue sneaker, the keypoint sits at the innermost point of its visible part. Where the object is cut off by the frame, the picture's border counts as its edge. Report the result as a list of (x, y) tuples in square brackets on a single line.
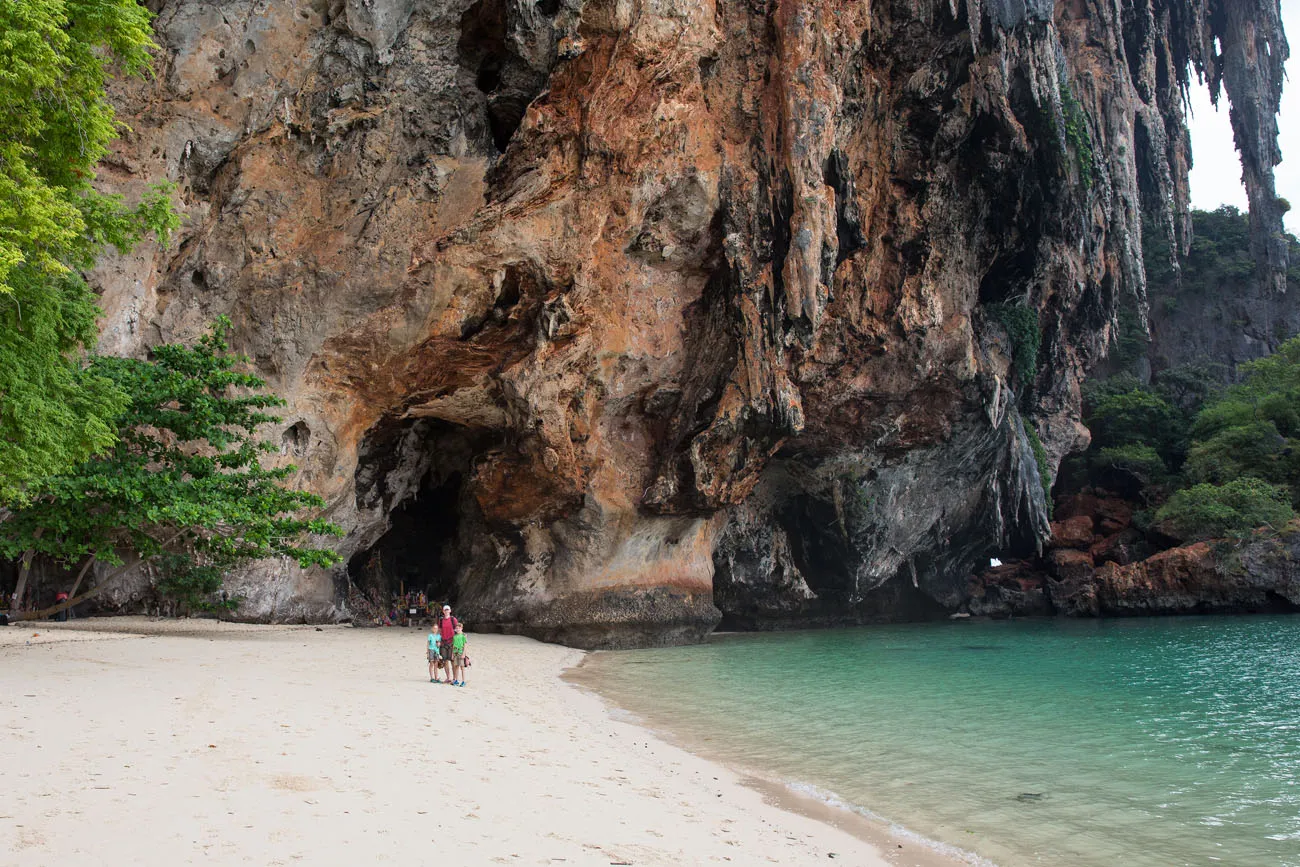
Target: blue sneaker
[(462, 683)]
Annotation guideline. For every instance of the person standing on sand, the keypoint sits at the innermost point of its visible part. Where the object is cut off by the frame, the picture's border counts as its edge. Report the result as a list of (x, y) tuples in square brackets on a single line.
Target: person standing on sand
[(435, 658), (458, 655), (446, 629)]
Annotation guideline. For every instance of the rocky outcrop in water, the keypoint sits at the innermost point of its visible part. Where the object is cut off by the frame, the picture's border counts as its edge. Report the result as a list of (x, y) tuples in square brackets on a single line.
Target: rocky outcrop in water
[(1099, 564), (600, 318)]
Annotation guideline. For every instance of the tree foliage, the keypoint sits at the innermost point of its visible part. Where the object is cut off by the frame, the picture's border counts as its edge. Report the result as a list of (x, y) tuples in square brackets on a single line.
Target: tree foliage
[(1219, 255), (183, 486), (1021, 324), (1253, 428), (1231, 510), (1225, 464), (1140, 430), (55, 58), (1140, 461), (1223, 460)]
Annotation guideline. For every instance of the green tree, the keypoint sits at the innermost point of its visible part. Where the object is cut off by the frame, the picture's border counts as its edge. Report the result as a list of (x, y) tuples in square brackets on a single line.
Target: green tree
[(183, 487), (1138, 416), (1142, 462), (1253, 428), (1231, 510), (55, 57)]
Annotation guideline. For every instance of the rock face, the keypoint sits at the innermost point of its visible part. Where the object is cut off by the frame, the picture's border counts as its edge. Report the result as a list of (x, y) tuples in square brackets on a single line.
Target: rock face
[(606, 320), (1203, 578), (1097, 564), (1201, 314)]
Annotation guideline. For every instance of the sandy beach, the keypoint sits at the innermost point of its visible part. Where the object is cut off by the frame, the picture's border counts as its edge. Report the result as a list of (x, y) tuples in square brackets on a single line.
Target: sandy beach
[(133, 741)]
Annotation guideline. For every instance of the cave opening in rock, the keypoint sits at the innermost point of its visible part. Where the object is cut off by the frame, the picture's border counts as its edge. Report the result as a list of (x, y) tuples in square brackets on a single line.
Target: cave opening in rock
[(490, 52), (413, 474), (1009, 276), (419, 551)]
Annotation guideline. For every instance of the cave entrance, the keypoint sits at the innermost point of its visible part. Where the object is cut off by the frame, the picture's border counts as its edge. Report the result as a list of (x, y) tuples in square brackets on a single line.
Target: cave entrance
[(419, 552), (415, 471)]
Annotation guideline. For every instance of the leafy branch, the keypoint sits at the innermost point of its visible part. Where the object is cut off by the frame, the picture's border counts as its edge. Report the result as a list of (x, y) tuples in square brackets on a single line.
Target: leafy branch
[(183, 486)]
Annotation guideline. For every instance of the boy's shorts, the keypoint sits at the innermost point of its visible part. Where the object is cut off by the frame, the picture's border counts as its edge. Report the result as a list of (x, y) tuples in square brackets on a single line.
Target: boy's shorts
[(457, 658)]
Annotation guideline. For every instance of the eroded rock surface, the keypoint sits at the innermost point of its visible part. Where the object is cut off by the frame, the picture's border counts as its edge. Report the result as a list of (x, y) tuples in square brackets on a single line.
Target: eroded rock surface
[(623, 314), (1258, 575), (1097, 564)]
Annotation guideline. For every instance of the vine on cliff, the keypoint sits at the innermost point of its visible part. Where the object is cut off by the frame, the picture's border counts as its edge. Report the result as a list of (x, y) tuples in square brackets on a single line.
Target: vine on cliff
[(1077, 136), (1021, 324), (1044, 466)]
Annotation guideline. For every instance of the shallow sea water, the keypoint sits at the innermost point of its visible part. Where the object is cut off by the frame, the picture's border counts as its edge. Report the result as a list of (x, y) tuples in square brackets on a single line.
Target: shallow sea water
[(1137, 742)]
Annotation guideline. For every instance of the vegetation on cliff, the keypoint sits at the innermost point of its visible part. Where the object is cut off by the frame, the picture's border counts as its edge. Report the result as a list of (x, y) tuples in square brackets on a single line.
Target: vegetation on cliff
[(1223, 458), (1208, 459), (183, 486), (55, 57), (1021, 323), (1218, 256), (1231, 510)]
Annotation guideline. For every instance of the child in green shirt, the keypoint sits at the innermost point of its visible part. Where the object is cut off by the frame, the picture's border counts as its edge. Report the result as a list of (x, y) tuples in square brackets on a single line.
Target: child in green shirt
[(458, 655)]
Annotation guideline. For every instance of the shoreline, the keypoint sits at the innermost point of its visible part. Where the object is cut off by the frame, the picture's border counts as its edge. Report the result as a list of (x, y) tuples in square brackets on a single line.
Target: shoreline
[(901, 846), (310, 744)]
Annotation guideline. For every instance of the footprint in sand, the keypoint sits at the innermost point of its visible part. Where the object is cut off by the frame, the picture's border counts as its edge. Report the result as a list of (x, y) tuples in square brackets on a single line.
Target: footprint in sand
[(295, 783)]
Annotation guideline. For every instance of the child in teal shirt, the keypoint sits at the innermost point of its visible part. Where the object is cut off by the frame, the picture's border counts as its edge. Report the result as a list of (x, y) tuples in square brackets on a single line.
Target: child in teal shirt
[(435, 658)]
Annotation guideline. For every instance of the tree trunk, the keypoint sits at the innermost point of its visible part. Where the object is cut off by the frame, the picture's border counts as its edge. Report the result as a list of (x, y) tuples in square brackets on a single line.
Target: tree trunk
[(77, 600), (23, 572), (80, 575)]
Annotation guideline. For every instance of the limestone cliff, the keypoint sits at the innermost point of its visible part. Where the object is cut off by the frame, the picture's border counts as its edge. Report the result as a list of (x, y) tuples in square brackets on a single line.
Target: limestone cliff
[(593, 316), (1211, 311)]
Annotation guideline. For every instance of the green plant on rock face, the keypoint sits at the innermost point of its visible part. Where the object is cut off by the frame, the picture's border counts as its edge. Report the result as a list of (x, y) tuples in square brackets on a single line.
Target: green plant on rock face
[(1044, 466), (182, 488), (1253, 428), (853, 504), (1129, 338), (1141, 461), (1231, 510), (1077, 135), (55, 125), (1021, 324)]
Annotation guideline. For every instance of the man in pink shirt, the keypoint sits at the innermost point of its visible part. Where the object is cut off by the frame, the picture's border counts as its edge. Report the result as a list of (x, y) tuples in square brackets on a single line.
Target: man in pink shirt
[(446, 629)]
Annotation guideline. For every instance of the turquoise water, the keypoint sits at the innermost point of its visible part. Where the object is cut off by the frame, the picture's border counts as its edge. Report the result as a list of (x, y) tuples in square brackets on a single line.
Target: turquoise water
[(1135, 742)]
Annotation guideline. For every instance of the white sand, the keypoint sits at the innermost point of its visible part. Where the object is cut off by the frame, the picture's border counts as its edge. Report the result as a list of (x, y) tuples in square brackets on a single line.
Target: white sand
[(201, 743)]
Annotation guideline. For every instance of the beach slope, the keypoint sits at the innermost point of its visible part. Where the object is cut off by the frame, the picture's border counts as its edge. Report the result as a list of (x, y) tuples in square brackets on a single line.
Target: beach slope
[(131, 741)]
